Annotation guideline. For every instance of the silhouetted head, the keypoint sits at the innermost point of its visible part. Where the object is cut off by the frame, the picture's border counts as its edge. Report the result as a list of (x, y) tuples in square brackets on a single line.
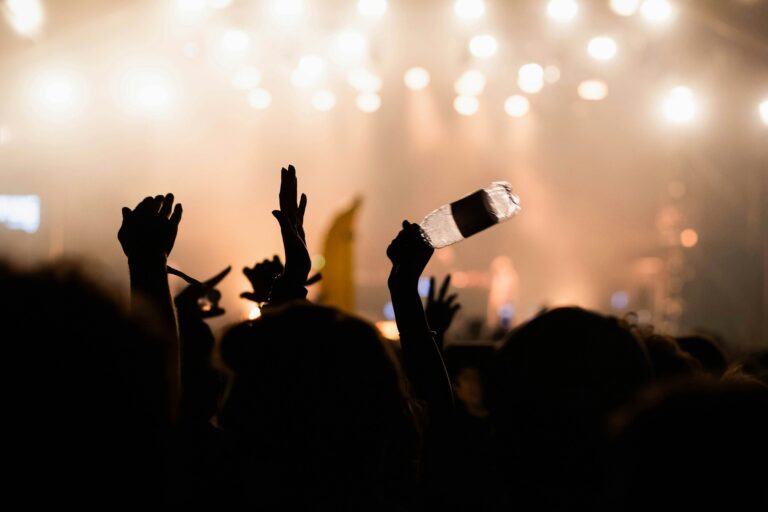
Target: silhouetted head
[(668, 360), (554, 381), (319, 403), (706, 352), (699, 445), (84, 392)]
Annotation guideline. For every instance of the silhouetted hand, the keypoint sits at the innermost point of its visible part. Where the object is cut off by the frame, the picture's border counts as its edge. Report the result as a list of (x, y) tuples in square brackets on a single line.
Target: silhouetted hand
[(291, 218), (150, 229), (409, 254), (441, 309), (262, 277), (201, 299)]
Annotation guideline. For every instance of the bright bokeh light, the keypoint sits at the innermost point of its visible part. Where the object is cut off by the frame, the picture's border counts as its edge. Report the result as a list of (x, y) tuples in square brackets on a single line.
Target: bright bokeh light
[(149, 91), (689, 238), (471, 83), (517, 106), (657, 11), (619, 300), (368, 101), (363, 80), (260, 99), (416, 78), (625, 7), (483, 46), (562, 10), (309, 71), (26, 17), (351, 44), (551, 74), (469, 9), (233, 45), (763, 110), (58, 93), (593, 90), (372, 8), (388, 329), (20, 212), (246, 77), (323, 100), (219, 4), (530, 78), (254, 312), (602, 48), (466, 105), (287, 11), (680, 106)]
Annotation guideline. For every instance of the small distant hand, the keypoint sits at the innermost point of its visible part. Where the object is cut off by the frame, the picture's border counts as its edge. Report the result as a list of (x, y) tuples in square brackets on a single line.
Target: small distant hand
[(262, 277), (409, 254), (441, 309), (150, 229), (201, 300)]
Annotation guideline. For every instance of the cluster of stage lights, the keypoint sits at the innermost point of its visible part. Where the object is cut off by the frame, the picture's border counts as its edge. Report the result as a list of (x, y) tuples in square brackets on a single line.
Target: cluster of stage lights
[(152, 91)]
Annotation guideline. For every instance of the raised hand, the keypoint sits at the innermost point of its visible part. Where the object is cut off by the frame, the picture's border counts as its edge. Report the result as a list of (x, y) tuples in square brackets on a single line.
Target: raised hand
[(262, 277), (409, 254), (150, 229), (200, 300), (441, 308)]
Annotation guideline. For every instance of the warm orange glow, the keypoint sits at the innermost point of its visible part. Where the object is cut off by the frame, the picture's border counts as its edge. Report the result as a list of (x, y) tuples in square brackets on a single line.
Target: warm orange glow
[(689, 237), (388, 329)]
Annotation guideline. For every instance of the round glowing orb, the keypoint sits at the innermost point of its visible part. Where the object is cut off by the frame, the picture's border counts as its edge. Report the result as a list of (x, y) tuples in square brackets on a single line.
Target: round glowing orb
[(323, 100), (562, 10), (363, 80), (471, 83), (763, 110), (602, 48), (530, 78), (351, 43), (416, 78), (657, 11), (287, 11), (680, 106), (593, 90), (372, 8), (483, 46), (26, 17), (469, 9), (58, 93), (619, 300), (625, 7), (260, 99), (466, 105), (517, 106), (368, 101), (689, 238)]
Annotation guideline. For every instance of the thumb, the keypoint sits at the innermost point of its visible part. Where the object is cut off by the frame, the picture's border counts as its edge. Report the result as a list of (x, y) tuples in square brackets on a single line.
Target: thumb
[(126, 212)]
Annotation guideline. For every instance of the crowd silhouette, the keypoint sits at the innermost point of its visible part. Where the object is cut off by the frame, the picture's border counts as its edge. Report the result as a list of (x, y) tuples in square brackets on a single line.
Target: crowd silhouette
[(308, 408)]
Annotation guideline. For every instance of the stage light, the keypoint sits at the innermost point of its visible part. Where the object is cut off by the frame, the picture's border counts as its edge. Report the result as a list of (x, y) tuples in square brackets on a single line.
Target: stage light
[(260, 99), (530, 78), (656, 11), (602, 48), (517, 106), (58, 93), (562, 10), (551, 74), (763, 110), (219, 4), (20, 212), (234, 41), (680, 106), (466, 105), (372, 8), (619, 300), (388, 329), (689, 238), (148, 91), (351, 44), (469, 9), (254, 312), (484, 46), (593, 90), (246, 77), (625, 7), (368, 101), (471, 83), (26, 17), (363, 80), (309, 71), (416, 79), (287, 11), (323, 100)]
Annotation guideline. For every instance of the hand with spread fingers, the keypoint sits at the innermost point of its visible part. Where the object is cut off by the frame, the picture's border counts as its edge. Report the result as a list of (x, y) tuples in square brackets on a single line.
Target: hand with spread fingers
[(262, 277), (150, 229), (441, 308)]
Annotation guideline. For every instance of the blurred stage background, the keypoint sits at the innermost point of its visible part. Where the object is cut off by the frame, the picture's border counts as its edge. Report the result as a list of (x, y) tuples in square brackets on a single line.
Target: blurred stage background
[(640, 157)]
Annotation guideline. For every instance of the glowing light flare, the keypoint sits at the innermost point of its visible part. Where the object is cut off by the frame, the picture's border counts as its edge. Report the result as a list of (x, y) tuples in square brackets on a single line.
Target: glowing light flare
[(680, 106), (20, 212), (234, 41), (246, 77), (368, 101), (469, 9), (416, 78), (26, 17), (763, 111), (483, 46), (619, 300), (372, 8), (254, 312), (689, 238), (530, 78), (219, 4), (562, 10), (466, 105), (150, 91), (363, 80), (323, 100), (470, 83), (388, 329), (593, 90), (625, 7), (58, 93), (287, 12), (517, 106), (602, 48), (351, 44), (657, 12), (260, 99), (309, 71)]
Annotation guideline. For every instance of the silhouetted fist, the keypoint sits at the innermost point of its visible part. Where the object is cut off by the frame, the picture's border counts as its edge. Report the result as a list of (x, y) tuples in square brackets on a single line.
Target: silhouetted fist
[(150, 229), (409, 254), (262, 277)]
